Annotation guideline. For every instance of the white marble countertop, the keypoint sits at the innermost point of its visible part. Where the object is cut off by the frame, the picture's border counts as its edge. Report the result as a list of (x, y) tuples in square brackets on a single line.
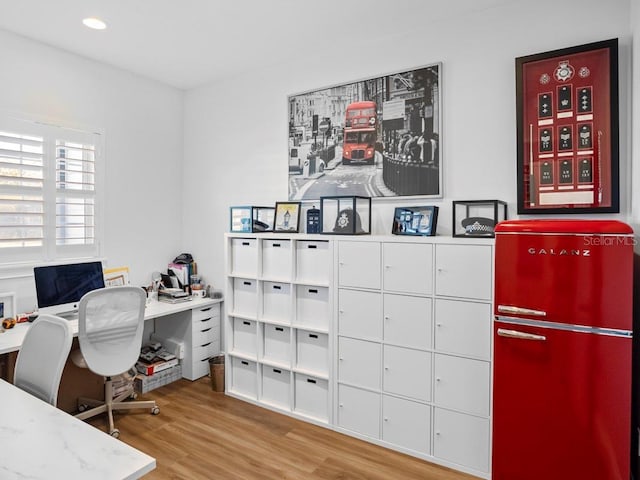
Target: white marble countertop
[(38, 441)]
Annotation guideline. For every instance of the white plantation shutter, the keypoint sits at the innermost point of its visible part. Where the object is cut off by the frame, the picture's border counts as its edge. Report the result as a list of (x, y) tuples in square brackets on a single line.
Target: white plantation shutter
[(49, 192)]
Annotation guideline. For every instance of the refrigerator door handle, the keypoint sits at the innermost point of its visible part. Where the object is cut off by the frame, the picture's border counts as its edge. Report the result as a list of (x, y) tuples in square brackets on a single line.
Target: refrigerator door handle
[(521, 311), (502, 332)]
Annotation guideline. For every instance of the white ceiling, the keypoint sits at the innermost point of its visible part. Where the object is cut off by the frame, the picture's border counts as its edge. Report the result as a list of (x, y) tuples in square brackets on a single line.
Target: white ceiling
[(189, 43)]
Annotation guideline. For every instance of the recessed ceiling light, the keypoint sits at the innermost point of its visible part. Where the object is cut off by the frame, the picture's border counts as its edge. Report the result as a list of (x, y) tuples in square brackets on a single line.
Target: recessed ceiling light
[(95, 23)]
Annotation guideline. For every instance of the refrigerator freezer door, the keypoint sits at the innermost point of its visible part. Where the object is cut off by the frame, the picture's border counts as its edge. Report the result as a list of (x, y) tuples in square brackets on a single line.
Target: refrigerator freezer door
[(562, 404)]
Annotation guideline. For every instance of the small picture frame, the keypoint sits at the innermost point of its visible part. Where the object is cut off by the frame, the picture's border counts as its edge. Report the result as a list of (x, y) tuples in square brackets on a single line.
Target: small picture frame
[(421, 221), (7, 305), (287, 217)]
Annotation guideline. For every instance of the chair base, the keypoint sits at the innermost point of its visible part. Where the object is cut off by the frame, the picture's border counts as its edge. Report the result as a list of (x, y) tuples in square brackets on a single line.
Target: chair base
[(110, 404)]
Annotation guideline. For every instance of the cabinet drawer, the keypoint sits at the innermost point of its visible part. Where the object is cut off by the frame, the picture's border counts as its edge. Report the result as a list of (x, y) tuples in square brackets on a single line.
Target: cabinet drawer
[(313, 262), (244, 256), (277, 343), (205, 313), (245, 297), (244, 377), (360, 314), (461, 439), (463, 328), (311, 397), (359, 410), (199, 369), (244, 336), (359, 362), (206, 334), (407, 321), (275, 386), (312, 306), (408, 268), (276, 259), (406, 423), (359, 264), (312, 351), (276, 301), (462, 384), (407, 372), (464, 271)]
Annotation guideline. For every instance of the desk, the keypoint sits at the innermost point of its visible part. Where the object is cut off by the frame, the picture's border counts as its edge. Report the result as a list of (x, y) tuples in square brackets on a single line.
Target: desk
[(39, 441)]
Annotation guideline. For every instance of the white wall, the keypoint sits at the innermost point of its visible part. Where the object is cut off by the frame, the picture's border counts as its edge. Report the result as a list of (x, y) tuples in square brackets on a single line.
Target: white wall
[(142, 122), (236, 129)]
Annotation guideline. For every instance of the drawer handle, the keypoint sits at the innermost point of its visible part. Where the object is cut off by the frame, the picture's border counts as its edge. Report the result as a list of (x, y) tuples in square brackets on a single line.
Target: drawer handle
[(310, 380), (502, 332), (206, 330), (313, 290), (521, 311), (246, 323), (205, 359), (312, 246), (313, 335), (279, 329), (205, 309), (277, 287), (206, 344), (275, 370), (206, 319), (245, 244), (244, 362), (247, 283), (276, 245)]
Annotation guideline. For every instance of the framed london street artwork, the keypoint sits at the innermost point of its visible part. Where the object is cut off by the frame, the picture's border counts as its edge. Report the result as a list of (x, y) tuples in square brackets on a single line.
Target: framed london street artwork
[(567, 113), (287, 217), (378, 137)]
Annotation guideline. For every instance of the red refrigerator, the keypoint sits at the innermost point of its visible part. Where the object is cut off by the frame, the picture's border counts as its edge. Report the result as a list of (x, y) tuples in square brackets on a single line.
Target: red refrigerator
[(562, 350)]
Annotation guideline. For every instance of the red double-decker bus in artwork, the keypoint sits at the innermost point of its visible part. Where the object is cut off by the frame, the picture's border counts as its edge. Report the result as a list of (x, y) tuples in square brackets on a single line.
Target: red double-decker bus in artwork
[(360, 135)]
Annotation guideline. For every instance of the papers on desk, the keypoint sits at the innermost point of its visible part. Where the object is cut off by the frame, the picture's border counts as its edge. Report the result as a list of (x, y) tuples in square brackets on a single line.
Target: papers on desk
[(173, 295)]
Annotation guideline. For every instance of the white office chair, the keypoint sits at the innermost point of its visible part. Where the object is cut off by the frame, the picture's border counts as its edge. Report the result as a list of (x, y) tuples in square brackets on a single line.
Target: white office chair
[(42, 357), (110, 326)]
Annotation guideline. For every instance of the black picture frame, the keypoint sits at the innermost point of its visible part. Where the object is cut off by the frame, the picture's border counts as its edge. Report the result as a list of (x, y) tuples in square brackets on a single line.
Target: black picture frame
[(287, 217), (568, 129), (416, 221)]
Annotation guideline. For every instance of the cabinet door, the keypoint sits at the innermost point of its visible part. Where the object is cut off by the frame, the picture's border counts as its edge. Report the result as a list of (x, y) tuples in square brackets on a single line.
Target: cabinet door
[(407, 372), (359, 264), (463, 328), (462, 384), (359, 362), (359, 410), (408, 268), (461, 439), (360, 314), (464, 271), (407, 321), (406, 423)]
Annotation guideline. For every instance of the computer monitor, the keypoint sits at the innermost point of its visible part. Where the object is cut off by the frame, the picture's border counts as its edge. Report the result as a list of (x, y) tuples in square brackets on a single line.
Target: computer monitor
[(59, 288)]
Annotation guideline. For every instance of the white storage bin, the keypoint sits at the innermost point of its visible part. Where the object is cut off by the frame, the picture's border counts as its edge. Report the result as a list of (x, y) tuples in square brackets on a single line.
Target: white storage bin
[(277, 343), (313, 351), (276, 259), (276, 301), (312, 306), (245, 297), (275, 386), (244, 257), (313, 262), (311, 397), (244, 377), (244, 336)]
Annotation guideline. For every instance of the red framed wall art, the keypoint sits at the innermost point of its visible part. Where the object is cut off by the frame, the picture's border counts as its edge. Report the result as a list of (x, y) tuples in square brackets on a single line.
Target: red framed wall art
[(568, 150)]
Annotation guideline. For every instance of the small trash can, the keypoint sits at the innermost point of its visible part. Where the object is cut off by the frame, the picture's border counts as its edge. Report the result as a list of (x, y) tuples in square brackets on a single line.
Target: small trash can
[(216, 367)]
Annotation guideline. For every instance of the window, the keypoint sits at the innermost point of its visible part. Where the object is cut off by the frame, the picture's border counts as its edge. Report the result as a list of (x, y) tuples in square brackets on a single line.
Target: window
[(49, 192)]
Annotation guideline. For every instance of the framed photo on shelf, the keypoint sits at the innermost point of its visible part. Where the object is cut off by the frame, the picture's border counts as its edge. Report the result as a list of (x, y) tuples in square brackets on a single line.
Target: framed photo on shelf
[(415, 221), (7, 305), (287, 218), (567, 131)]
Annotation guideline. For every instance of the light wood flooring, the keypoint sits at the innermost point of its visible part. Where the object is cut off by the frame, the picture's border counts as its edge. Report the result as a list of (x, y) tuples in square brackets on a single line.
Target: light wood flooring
[(201, 434)]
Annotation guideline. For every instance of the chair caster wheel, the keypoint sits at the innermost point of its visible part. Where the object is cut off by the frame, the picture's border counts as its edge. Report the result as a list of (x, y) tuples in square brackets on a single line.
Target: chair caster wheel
[(82, 407), (155, 411), (133, 396), (115, 433)]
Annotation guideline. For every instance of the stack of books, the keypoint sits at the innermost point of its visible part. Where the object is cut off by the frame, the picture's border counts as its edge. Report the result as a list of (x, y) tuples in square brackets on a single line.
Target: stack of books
[(153, 359)]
